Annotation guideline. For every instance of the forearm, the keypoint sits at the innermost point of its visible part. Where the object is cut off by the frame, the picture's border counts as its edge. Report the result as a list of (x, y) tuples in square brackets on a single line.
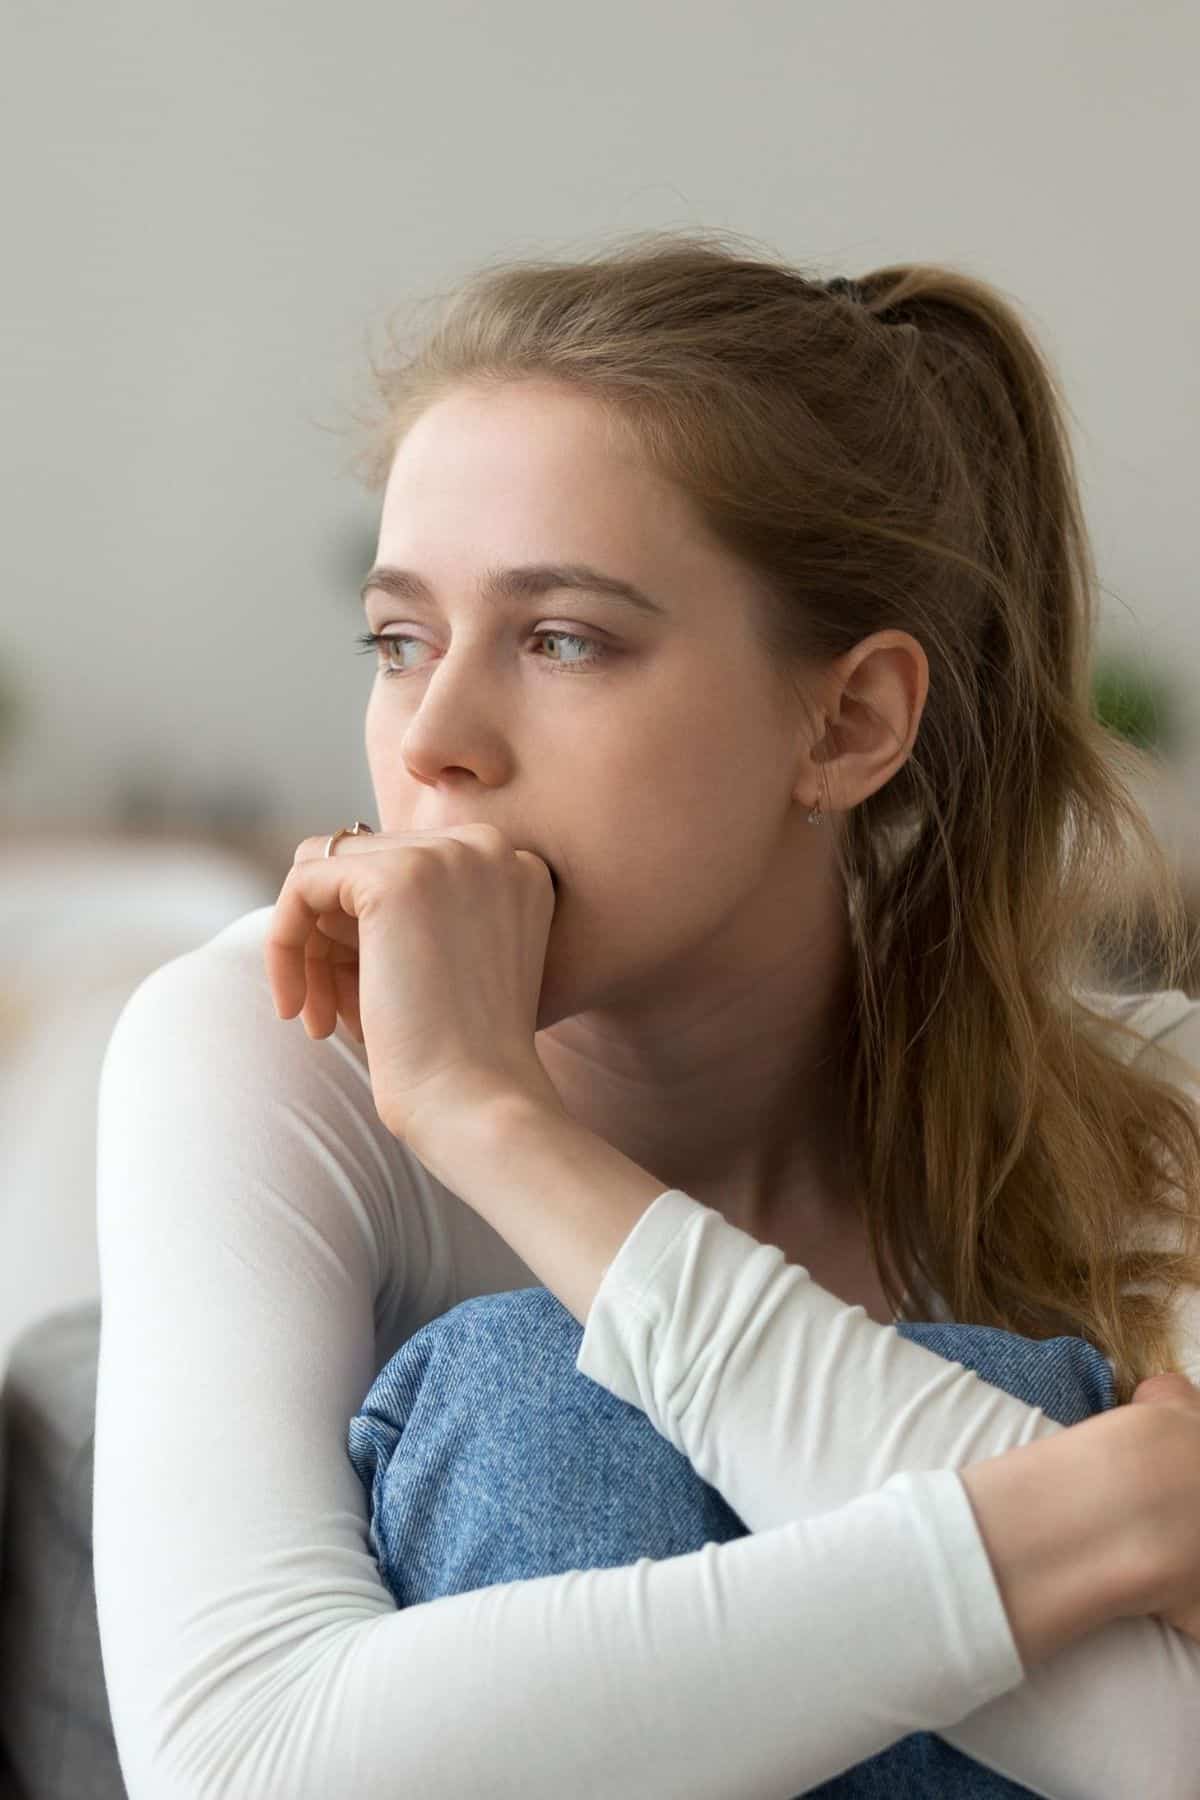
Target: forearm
[(1058, 1516), (788, 1402), (250, 1645), (563, 1198), (1061, 1520)]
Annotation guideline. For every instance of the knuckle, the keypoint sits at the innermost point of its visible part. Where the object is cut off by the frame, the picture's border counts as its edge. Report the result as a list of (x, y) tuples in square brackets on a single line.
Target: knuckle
[(1168, 1384), (417, 874), (489, 838)]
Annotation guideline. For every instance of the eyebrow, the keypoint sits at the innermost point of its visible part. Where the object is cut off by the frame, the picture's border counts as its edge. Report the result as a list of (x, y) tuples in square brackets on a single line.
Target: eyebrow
[(524, 583)]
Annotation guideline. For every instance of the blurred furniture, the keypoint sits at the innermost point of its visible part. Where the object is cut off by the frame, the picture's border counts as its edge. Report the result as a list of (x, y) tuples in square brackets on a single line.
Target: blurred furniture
[(86, 917), (56, 1737)]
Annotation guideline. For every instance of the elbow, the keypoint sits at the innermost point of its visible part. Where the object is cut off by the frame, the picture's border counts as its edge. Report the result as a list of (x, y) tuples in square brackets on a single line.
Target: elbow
[(242, 1727)]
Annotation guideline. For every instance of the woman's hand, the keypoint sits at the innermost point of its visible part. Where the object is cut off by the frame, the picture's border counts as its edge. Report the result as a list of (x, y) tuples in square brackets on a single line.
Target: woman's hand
[(1172, 1520), (430, 945), (1097, 1522)]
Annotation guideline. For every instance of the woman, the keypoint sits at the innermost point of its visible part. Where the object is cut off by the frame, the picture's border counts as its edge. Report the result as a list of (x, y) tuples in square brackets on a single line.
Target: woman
[(699, 1109)]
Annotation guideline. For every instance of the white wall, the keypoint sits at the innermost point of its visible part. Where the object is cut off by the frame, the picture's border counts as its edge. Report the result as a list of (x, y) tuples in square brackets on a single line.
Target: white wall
[(207, 206)]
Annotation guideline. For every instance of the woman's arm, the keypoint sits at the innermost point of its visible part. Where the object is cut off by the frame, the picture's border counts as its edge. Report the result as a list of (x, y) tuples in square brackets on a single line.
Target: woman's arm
[(256, 1238), (789, 1403)]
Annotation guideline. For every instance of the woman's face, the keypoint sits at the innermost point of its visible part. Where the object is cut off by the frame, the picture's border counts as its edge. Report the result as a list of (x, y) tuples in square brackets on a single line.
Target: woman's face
[(652, 765)]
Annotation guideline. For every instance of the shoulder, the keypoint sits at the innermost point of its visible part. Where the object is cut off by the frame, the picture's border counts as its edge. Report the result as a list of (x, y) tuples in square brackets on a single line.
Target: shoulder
[(213, 997), (232, 953), (200, 1066), (198, 1041)]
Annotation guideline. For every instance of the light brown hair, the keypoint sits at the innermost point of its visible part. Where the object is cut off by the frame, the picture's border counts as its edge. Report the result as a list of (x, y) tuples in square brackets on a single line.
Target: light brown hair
[(899, 460)]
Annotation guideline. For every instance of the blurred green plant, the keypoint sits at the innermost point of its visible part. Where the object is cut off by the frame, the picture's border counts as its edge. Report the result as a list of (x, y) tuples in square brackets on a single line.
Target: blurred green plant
[(1139, 704), (12, 709)]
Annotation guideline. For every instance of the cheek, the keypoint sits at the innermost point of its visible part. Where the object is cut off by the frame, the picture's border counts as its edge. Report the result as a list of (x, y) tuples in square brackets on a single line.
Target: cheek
[(372, 738), (376, 732), (657, 887), (381, 742)]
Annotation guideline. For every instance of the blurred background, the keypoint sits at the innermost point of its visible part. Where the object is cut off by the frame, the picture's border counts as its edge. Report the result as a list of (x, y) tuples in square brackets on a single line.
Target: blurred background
[(210, 211)]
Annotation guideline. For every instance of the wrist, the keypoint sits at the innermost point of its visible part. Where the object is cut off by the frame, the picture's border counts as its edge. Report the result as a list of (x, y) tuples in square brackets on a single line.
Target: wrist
[(1163, 1519), (562, 1198), (1063, 1522), (478, 1107)]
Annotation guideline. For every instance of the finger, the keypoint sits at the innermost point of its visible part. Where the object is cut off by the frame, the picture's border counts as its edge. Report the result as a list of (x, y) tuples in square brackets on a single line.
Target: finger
[(340, 928), (342, 961), (319, 1011), (532, 857), (315, 847), (345, 981), (309, 890), (334, 992), (1170, 1385)]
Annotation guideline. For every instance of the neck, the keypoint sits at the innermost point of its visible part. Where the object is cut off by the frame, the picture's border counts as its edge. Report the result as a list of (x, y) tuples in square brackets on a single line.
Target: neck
[(743, 1108)]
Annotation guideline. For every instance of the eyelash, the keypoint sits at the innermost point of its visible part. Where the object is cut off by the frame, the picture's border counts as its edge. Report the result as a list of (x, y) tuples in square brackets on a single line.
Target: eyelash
[(372, 640)]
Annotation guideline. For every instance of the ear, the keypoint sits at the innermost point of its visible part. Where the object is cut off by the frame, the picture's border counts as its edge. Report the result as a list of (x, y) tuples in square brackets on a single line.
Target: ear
[(873, 700)]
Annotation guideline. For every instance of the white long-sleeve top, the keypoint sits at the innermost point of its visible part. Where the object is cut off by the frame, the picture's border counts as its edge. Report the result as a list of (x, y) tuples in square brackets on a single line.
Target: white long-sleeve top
[(266, 1245)]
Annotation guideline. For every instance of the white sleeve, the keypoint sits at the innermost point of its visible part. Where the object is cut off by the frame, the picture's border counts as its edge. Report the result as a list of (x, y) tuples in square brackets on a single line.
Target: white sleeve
[(264, 1247), (790, 1402)]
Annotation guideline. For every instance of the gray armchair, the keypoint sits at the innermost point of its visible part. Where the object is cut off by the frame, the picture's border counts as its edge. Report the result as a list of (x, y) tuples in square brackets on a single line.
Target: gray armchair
[(56, 1739)]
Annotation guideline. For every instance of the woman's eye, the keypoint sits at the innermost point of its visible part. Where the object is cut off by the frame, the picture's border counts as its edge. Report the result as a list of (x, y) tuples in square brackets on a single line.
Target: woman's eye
[(376, 640)]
